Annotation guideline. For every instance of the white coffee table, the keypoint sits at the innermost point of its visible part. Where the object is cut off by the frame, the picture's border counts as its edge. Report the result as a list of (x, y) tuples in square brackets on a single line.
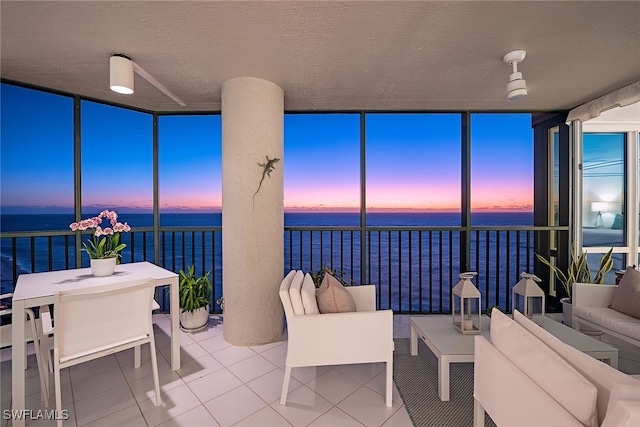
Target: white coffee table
[(450, 346)]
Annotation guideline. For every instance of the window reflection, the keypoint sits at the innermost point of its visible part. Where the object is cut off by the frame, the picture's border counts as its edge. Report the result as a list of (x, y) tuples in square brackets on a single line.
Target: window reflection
[(603, 215)]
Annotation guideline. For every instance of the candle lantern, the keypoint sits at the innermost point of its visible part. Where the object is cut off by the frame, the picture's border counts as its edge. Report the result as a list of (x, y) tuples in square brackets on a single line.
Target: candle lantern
[(528, 298), (466, 305)]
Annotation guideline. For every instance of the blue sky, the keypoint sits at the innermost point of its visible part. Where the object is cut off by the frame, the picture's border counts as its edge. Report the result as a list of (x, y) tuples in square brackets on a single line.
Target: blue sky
[(412, 160)]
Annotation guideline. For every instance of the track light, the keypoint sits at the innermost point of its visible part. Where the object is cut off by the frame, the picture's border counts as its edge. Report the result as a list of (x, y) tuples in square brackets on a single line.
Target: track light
[(121, 69), (517, 86)]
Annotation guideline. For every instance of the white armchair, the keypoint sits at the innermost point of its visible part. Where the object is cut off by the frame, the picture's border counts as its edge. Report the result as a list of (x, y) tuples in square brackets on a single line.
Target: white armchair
[(364, 336)]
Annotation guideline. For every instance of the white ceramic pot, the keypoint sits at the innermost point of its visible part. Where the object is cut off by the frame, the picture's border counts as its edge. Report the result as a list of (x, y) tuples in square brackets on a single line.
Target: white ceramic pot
[(195, 320), (566, 311), (103, 267)]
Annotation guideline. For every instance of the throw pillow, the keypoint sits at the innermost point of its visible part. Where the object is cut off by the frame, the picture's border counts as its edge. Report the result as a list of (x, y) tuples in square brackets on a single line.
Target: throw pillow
[(332, 297), (308, 293), (295, 295), (626, 298)]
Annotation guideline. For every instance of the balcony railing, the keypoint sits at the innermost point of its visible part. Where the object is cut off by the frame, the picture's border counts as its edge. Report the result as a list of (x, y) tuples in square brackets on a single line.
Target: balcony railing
[(413, 268)]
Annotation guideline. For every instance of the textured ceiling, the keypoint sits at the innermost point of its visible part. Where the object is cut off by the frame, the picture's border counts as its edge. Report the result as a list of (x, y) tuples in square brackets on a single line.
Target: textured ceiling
[(328, 55)]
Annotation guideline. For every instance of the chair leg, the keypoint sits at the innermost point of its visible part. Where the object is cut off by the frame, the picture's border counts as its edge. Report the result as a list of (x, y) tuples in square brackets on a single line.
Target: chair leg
[(42, 373), (285, 385), (389, 401), (56, 380), (44, 323), (154, 366), (136, 357)]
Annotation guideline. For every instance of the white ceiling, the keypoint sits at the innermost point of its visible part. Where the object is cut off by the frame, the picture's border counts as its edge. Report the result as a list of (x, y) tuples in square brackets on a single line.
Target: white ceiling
[(328, 55)]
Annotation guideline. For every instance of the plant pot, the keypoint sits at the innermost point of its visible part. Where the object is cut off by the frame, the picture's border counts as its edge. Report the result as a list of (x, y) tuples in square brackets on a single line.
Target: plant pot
[(566, 311), (103, 267), (195, 320)]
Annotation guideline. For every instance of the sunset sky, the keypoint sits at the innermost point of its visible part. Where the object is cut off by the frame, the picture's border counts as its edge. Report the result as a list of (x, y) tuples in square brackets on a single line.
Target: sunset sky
[(412, 160)]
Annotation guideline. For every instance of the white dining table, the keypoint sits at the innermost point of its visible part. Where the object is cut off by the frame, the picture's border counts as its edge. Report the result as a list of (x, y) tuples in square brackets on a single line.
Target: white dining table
[(36, 289)]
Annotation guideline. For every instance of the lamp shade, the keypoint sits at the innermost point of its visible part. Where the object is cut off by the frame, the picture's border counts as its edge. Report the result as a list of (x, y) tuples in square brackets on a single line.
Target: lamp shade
[(599, 207), (121, 74)]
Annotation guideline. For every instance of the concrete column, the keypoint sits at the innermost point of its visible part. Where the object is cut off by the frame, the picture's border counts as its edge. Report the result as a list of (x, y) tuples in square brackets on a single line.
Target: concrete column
[(252, 223)]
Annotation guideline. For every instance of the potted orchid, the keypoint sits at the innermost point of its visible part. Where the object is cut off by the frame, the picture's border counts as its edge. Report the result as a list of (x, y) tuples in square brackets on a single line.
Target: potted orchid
[(104, 245)]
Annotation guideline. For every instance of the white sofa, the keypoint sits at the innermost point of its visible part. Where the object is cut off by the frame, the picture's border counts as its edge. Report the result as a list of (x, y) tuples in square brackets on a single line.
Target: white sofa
[(363, 336), (591, 307), (525, 376)]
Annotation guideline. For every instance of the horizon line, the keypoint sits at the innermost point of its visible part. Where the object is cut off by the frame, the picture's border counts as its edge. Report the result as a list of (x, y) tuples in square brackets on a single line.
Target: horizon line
[(16, 210)]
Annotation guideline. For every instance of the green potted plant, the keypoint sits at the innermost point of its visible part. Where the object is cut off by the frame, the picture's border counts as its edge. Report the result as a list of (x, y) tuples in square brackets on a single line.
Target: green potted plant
[(194, 299), (317, 276), (578, 272)]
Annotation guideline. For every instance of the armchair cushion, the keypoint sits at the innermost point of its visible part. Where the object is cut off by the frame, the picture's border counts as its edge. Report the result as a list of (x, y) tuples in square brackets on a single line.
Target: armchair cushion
[(308, 293), (332, 297), (626, 298), (295, 295)]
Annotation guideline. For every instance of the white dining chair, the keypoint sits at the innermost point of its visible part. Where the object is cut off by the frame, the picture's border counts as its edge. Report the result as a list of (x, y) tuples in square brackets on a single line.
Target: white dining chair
[(99, 321), (32, 328), (46, 323)]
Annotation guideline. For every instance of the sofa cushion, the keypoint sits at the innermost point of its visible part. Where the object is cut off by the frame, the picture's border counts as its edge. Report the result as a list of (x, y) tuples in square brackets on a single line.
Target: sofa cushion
[(626, 298), (294, 293), (308, 293), (601, 375), (610, 319), (333, 297), (546, 368)]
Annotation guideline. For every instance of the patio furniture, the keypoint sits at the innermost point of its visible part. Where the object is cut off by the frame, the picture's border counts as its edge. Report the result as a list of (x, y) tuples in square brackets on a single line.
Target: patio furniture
[(450, 346), (31, 334), (363, 336), (36, 289), (526, 376), (591, 307), (99, 321)]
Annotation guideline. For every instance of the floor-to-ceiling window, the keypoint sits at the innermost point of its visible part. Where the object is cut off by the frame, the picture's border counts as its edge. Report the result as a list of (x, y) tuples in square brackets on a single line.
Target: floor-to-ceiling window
[(410, 237), (610, 212), (190, 194), (501, 195), (322, 189), (413, 179), (36, 177), (117, 166)]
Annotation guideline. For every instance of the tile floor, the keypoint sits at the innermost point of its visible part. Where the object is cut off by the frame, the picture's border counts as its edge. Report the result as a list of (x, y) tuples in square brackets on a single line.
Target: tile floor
[(223, 385), (217, 385)]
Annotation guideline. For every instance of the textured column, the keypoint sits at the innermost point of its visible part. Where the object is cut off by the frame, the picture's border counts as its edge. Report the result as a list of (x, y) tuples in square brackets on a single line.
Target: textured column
[(252, 223)]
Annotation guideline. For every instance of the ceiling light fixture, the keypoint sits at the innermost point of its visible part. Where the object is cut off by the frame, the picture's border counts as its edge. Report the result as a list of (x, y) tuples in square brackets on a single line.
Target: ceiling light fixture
[(121, 69), (517, 87)]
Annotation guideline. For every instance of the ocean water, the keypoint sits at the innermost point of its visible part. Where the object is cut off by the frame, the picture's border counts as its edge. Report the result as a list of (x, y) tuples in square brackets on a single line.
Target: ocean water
[(414, 270)]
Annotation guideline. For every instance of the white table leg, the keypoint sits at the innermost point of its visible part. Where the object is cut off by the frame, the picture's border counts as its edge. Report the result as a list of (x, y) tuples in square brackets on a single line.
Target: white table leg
[(414, 342), (443, 378), (18, 354), (175, 325)]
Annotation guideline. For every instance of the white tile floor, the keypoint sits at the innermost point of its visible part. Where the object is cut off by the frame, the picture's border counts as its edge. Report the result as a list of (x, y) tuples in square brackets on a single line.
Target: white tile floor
[(220, 384), (217, 385)]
